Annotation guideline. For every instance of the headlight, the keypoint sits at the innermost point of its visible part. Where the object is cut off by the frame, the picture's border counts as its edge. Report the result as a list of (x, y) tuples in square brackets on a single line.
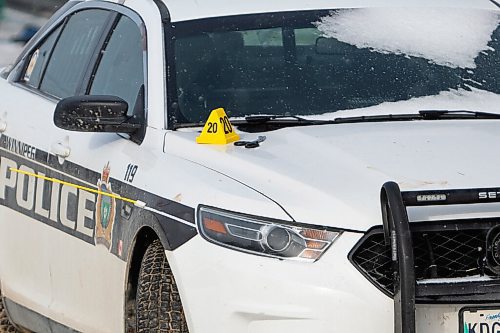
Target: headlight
[(264, 237)]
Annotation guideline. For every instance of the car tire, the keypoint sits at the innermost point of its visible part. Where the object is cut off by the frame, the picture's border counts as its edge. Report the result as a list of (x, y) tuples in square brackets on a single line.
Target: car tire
[(158, 303), (5, 325)]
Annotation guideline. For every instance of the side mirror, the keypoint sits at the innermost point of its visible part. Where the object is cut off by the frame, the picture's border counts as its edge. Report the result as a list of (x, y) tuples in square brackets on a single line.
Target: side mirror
[(94, 114)]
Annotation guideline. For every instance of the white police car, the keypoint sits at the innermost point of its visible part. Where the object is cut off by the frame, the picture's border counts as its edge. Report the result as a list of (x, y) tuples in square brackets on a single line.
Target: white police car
[(259, 166)]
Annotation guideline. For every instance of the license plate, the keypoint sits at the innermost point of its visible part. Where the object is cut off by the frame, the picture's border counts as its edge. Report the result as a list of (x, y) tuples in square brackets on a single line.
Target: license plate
[(480, 320)]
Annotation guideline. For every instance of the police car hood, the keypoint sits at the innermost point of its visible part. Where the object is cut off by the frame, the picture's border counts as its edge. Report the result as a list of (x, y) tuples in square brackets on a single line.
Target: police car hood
[(332, 174)]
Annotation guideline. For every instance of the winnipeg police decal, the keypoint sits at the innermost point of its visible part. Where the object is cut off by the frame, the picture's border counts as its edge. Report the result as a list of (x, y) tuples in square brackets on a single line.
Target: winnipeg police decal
[(105, 211)]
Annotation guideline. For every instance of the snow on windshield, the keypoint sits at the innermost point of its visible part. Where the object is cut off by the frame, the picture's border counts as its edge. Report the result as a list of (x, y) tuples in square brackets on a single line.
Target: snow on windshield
[(459, 99), (449, 37)]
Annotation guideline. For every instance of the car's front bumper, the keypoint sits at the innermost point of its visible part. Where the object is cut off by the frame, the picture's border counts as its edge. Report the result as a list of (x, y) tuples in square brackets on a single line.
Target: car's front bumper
[(227, 291)]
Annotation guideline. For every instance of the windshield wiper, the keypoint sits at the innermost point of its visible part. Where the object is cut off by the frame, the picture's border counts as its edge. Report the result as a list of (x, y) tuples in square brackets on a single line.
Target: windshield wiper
[(421, 115), (270, 122), (259, 119), (265, 123), (457, 114), (377, 118)]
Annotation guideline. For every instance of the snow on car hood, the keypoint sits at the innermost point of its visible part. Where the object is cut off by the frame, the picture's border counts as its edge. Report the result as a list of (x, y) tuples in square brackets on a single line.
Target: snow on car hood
[(453, 40)]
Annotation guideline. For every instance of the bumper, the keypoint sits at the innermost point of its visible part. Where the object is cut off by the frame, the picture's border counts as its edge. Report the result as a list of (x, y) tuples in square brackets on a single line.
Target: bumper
[(398, 235), (227, 291)]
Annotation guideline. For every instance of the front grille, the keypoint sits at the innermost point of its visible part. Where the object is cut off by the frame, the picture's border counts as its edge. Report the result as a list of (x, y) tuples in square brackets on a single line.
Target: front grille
[(443, 251)]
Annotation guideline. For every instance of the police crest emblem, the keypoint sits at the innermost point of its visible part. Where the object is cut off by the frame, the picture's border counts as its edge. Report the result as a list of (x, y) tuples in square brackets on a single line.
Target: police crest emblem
[(105, 210)]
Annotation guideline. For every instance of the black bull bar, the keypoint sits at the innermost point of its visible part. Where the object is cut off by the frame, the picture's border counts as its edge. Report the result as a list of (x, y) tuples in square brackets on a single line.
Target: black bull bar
[(398, 235)]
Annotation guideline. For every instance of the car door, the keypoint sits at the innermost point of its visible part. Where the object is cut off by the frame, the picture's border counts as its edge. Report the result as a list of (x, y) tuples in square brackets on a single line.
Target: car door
[(97, 270), (74, 255), (27, 106)]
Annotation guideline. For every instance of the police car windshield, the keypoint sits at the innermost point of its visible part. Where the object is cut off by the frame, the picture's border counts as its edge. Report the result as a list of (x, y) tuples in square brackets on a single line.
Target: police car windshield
[(327, 64)]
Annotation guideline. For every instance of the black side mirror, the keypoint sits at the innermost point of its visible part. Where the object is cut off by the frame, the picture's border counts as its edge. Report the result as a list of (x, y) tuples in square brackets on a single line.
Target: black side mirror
[(94, 114)]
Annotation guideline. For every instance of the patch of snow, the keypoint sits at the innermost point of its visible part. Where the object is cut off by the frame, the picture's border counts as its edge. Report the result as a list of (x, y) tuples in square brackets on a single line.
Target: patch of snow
[(474, 278), (451, 37), (460, 99)]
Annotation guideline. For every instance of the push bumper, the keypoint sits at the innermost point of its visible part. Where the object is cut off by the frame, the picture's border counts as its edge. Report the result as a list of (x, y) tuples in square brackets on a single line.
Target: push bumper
[(398, 234)]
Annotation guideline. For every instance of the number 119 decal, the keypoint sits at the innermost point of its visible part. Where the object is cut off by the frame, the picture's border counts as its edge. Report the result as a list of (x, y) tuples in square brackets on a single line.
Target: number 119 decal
[(131, 171)]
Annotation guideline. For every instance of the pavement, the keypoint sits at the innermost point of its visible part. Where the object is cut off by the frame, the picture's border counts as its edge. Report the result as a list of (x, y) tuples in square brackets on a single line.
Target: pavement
[(11, 25)]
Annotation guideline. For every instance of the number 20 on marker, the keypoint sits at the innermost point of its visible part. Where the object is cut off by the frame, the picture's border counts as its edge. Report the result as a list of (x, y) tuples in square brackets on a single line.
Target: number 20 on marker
[(218, 129), (224, 122)]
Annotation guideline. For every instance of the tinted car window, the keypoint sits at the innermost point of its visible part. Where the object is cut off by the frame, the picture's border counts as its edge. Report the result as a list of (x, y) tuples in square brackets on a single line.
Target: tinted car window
[(39, 59), (120, 72), (72, 52)]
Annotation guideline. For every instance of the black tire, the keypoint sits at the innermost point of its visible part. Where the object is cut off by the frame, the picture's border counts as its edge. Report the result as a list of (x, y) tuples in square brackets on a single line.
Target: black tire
[(5, 325), (159, 307)]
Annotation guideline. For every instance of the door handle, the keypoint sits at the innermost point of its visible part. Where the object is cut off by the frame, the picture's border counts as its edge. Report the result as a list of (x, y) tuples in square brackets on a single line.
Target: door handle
[(61, 149)]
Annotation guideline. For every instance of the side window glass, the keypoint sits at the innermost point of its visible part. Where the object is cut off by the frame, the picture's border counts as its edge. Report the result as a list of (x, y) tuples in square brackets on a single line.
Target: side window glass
[(39, 59), (73, 51), (121, 72)]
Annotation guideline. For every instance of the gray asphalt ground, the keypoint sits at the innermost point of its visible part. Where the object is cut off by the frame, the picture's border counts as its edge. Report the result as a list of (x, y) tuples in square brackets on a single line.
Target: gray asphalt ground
[(11, 25)]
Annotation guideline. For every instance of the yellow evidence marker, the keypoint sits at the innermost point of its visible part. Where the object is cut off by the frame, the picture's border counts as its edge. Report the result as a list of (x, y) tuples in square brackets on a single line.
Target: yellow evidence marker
[(218, 129)]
